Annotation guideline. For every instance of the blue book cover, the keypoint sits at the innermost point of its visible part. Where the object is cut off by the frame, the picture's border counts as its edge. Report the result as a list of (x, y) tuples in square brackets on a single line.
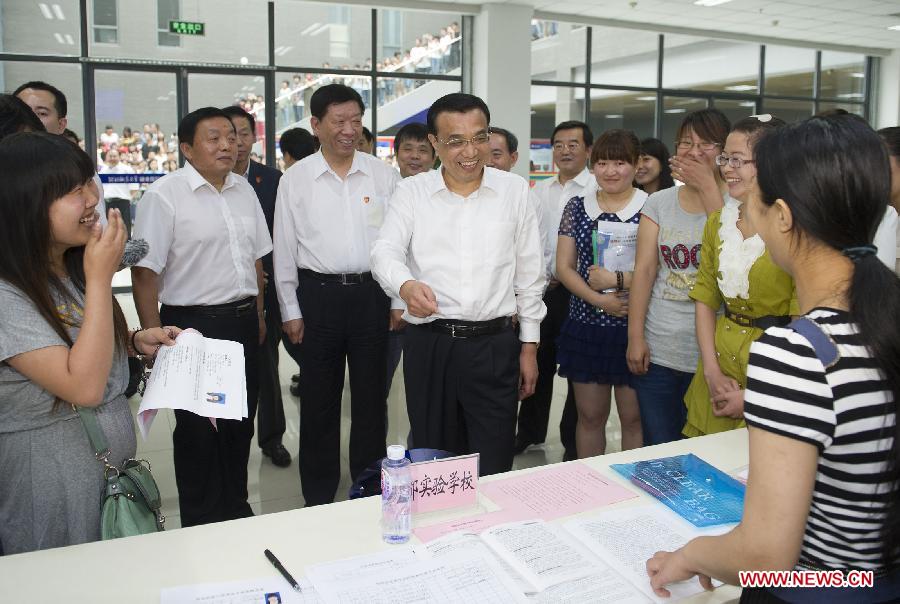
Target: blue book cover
[(695, 490)]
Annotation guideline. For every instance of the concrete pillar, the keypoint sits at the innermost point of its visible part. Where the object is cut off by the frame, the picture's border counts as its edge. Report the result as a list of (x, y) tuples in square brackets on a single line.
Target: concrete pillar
[(887, 101), (502, 70)]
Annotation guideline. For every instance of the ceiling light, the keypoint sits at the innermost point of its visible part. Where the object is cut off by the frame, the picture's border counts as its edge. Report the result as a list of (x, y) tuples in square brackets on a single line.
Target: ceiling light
[(70, 40), (321, 29), (45, 10), (710, 2), (645, 98), (613, 116), (57, 10), (59, 38), (747, 104), (741, 87), (850, 95), (895, 27), (857, 75), (679, 110)]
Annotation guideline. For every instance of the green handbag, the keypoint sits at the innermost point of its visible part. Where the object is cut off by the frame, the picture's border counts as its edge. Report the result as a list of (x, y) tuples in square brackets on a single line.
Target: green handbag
[(131, 504)]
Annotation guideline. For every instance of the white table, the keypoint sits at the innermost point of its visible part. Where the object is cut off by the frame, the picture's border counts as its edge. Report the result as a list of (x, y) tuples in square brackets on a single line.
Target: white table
[(135, 569)]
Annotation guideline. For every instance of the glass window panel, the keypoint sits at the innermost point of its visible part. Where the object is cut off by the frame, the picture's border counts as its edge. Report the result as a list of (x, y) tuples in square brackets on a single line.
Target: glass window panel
[(550, 105), (41, 28), (234, 35), (706, 64), (857, 109), (789, 111), (623, 57), (790, 71), (735, 109), (65, 76), (106, 20), (421, 42), (674, 111), (314, 35), (557, 51), (404, 109), (843, 76), (634, 111), (247, 91)]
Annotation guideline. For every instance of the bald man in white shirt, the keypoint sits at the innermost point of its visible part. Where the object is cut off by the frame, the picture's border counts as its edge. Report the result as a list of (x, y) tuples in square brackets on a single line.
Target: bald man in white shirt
[(461, 247)]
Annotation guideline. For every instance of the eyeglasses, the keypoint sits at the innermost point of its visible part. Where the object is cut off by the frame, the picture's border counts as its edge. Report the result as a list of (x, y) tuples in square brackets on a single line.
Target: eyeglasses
[(567, 146), (688, 145), (734, 162), (458, 143)]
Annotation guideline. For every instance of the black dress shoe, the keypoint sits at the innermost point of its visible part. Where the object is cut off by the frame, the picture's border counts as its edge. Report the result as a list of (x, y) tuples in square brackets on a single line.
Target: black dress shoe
[(280, 456), (295, 389), (295, 378), (521, 445)]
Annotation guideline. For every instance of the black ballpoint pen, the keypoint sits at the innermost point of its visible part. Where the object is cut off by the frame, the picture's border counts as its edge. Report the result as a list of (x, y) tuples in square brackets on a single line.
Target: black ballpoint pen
[(284, 573)]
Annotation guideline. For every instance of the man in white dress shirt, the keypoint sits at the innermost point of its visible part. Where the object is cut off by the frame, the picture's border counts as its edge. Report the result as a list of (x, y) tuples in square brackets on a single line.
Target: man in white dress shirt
[(461, 247), (571, 142), (207, 235), (329, 208)]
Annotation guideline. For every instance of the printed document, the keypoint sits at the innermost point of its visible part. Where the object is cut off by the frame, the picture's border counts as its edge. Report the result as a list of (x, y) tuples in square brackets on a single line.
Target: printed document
[(201, 375), (260, 591)]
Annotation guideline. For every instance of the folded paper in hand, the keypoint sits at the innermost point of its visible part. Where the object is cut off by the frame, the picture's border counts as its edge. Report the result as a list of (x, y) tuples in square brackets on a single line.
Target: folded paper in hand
[(197, 374)]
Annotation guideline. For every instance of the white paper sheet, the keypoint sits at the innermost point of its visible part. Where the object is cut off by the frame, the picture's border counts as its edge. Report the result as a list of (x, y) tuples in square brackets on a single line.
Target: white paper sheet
[(271, 590), (457, 578), (201, 375), (471, 543), (539, 551), (625, 539), (603, 587)]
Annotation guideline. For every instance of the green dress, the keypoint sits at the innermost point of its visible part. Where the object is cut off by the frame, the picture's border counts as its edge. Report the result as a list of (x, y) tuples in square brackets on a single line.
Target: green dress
[(762, 290)]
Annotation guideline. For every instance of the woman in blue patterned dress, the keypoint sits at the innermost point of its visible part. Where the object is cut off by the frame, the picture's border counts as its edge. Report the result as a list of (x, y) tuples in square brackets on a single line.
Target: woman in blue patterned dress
[(593, 339)]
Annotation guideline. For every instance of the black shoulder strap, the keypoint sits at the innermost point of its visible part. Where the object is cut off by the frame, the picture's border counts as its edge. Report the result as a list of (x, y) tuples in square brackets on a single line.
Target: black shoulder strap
[(824, 347)]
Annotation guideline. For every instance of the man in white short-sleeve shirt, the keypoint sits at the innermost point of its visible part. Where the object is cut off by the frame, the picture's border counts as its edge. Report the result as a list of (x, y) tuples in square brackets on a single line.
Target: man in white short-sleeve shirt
[(207, 235), (329, 208), (571, 143), (461, 247)]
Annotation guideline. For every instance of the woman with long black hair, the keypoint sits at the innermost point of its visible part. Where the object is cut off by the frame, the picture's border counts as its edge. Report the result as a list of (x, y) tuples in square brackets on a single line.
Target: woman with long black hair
[(63, 343), (822, 393)]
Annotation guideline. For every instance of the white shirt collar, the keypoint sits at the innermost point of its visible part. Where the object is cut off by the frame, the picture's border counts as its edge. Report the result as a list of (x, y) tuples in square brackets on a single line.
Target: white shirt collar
[(592, 208), (321, 165), (581, 179), (436, 181), (196, 180)]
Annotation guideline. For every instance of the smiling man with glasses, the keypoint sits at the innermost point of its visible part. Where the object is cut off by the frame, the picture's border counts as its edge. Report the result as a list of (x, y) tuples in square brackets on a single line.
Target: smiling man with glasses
[(461, 247)]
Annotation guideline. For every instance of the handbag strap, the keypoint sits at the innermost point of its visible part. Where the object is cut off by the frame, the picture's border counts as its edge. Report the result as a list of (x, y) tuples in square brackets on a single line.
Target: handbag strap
[(95, 433)]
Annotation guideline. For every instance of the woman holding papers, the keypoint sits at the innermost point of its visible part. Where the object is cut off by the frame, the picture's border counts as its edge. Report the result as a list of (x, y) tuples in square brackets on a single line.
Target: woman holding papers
[(63, 342), (662, 349), (736, 271), (595, 256), (822, 393)]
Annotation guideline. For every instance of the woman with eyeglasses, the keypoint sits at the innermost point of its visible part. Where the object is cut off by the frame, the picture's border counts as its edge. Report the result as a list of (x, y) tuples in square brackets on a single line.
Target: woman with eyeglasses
[(736, 271), (592, 339), (662, 348), (822, 393), (653, 171)]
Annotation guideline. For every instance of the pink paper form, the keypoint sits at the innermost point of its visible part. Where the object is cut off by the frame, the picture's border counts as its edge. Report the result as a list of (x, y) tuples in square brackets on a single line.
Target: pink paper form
[(555, 492)]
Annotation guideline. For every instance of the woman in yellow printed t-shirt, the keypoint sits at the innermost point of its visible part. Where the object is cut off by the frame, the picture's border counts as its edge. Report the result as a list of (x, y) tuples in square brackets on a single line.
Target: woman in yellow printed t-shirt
[(737, 272)]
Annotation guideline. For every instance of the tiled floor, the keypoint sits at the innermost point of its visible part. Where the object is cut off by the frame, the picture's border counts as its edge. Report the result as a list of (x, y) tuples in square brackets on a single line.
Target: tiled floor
[(274, 489)]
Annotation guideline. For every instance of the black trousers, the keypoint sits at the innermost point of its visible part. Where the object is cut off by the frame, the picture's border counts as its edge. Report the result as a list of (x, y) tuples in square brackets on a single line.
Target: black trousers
[(124, 207), (343, 325), (534, 411), (211, 463), (462, 393), (270, 413)]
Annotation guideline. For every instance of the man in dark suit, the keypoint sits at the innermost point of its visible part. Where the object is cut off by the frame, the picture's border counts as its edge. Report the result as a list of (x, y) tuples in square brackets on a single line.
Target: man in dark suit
[(264, 180)]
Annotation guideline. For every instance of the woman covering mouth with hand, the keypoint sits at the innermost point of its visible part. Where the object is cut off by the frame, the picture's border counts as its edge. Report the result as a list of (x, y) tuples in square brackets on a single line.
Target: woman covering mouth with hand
[(737, 271)]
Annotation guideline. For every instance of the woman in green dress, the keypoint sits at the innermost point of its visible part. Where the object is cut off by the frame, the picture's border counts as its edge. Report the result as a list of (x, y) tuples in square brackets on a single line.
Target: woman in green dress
[(736, 272)]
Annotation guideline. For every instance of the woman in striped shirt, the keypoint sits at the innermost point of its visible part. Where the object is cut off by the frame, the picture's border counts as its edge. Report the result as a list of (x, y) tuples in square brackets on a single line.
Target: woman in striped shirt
[(822, 394)]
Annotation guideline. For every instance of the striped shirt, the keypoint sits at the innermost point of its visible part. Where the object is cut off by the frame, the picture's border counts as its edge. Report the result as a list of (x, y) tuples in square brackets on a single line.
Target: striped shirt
[(846, 411)]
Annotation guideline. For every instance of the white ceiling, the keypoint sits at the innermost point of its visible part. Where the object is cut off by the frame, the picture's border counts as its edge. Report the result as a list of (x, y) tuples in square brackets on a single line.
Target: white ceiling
[(859, 23)]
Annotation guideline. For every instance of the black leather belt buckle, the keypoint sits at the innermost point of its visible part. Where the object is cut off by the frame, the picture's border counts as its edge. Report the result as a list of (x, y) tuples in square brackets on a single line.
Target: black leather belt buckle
[(351, 278)]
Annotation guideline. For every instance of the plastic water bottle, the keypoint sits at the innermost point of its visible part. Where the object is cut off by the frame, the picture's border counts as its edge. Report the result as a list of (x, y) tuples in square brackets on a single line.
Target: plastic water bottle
[(396, 495)]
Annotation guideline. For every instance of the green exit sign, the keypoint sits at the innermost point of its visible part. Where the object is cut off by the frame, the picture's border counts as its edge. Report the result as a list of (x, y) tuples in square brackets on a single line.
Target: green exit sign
[(187, 28)]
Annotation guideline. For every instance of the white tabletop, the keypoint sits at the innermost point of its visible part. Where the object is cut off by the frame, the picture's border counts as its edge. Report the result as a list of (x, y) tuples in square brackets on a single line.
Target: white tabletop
[(137, 568)]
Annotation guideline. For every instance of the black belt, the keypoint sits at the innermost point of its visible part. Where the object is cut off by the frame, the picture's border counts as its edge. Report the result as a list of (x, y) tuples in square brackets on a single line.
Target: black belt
[(342, 278), (468, 329), (229, 309), (763, 323)]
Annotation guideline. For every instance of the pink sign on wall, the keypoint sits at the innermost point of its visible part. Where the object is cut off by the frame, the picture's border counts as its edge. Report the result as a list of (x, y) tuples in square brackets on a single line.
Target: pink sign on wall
[(444, 483)]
